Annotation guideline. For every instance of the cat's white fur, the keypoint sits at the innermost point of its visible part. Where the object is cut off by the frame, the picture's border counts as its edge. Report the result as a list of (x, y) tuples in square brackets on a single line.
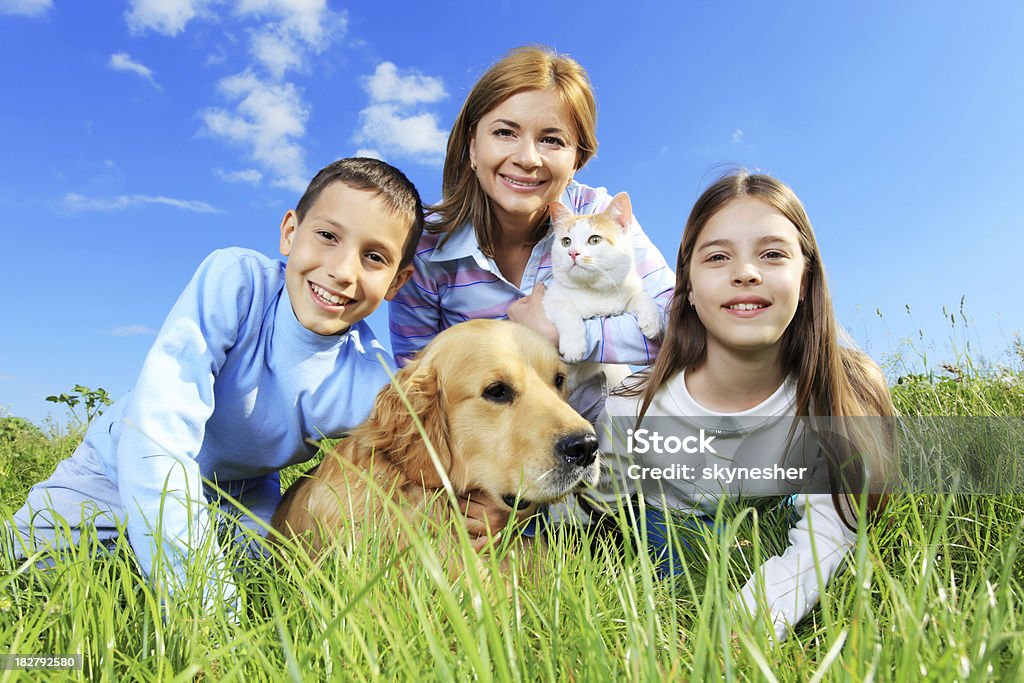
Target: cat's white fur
[(594, 280)]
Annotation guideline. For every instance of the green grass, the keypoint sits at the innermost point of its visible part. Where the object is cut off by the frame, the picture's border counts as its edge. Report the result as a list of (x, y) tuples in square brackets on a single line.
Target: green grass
[(932, 592)]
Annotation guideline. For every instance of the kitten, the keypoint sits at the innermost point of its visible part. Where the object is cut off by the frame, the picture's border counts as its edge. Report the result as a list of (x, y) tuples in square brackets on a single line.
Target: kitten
[(593, 275)]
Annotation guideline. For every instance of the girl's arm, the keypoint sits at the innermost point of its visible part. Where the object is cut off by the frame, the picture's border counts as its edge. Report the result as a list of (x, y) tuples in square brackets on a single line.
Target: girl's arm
[(414, 315), (792, 582), (162, 429)]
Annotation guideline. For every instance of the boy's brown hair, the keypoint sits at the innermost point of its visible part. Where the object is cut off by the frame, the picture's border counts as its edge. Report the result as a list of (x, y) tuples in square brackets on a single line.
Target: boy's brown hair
[(372, 175)]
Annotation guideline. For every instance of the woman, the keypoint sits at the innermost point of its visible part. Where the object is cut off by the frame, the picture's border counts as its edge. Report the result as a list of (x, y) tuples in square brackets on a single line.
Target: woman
[(526, 127)]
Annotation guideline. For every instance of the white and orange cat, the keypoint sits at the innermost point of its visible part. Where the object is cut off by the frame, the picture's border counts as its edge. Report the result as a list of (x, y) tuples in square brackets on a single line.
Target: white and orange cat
[(593, 275)]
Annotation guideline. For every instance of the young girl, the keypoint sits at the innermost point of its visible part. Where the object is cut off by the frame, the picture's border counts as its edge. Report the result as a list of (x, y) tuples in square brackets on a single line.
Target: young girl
[(752, 345)]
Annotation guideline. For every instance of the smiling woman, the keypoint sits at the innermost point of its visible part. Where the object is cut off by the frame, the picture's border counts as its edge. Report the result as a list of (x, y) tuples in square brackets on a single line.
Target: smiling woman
[(526, 127)]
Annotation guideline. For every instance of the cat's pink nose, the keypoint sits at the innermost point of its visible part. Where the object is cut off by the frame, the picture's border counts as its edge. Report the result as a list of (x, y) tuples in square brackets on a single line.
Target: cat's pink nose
[(573, 253)]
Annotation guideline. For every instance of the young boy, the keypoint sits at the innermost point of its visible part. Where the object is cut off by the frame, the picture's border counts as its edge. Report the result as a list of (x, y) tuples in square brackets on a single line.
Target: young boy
[(255, 358)]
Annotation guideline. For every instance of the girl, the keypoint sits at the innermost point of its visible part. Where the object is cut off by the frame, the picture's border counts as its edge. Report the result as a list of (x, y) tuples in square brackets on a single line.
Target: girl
[(752, 343)]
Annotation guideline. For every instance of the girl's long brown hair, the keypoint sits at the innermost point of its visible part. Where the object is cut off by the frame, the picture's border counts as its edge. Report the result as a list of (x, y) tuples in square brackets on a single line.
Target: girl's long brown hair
[(527, 68), (833, 381)]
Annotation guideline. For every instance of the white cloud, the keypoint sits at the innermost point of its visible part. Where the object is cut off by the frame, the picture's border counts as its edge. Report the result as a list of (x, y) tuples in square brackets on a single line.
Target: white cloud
[(248, 175), (367, 152), (25, 8), (268, 120), (387, 85), (132, 331), (737, 136), (296, 28), (75, 202), (122, 61), (167, 17), (394, 124)]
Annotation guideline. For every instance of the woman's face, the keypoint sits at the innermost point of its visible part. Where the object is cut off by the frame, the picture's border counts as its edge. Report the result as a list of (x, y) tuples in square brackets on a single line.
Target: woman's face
[(524, 151)]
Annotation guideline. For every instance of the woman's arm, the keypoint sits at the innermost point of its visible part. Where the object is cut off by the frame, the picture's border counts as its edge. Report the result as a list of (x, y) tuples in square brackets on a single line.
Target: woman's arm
[(414, 315)]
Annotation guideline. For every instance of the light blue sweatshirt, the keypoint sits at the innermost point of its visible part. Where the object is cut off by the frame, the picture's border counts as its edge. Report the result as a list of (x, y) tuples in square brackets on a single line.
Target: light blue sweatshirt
[(230, 391)]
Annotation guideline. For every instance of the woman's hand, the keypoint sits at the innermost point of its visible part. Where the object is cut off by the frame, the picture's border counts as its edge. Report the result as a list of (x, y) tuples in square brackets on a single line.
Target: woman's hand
[(529, 311)]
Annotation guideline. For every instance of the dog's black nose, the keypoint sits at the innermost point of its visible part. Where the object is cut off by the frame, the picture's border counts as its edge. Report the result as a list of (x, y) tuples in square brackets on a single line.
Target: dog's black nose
[(578, 449)]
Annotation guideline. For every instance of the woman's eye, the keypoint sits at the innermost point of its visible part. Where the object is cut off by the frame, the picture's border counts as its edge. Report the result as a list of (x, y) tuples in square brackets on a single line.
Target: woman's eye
[(566, 242), (503, 133), (499, 392), (553, 141), (594, 239)]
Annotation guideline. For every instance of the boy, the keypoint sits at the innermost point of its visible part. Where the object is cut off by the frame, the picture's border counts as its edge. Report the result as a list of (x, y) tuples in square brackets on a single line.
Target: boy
[(255, 357)]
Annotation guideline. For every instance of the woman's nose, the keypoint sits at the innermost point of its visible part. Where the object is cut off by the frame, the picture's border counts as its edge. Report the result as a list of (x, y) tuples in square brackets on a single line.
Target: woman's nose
[(526, 154)]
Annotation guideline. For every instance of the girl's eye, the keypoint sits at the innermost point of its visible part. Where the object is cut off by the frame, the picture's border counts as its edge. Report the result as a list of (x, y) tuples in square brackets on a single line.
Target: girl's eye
[(566, 242), (715, 258), (774, 254), (594, 239)]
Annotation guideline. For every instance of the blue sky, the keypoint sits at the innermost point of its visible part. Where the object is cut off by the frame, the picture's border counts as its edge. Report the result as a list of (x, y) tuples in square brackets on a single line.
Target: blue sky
[(137, 136)]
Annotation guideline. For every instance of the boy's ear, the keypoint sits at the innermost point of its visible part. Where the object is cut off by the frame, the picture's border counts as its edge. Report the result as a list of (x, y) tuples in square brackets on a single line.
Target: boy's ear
[(401, 277), (289, 224)]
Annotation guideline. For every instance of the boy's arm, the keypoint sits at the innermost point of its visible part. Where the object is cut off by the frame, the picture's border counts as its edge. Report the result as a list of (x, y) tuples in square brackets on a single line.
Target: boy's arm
[(414, 315), (162, 430), (793, 581)]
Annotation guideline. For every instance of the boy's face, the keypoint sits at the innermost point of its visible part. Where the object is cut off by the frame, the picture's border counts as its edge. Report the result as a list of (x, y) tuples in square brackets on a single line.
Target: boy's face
[(342, 258)]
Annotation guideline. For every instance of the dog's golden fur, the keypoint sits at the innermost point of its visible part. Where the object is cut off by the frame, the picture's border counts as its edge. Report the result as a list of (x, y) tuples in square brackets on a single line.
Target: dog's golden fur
[(491, 397)]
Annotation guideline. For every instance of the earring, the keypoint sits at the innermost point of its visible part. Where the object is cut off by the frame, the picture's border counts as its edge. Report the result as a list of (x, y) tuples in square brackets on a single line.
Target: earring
[(472, 165)]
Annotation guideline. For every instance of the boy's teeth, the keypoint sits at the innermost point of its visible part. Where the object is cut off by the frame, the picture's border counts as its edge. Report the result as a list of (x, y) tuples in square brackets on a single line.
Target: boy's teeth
[(746, 307), (322, 293)]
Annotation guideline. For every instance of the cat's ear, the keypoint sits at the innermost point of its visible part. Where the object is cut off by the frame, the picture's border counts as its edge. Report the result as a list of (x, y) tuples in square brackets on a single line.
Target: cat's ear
[(559, 212), (621, 211)]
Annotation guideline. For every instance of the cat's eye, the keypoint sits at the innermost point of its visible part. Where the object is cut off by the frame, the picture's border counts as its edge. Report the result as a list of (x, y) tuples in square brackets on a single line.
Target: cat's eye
[(566, 241), (594, 239)]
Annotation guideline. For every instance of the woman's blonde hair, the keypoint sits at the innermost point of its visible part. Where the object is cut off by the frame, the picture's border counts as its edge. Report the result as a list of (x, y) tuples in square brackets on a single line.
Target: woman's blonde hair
[(525, 68), (833, 381)]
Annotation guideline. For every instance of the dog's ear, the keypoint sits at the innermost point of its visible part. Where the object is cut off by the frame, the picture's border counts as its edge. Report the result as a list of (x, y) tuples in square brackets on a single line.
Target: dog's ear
[(394, 433)]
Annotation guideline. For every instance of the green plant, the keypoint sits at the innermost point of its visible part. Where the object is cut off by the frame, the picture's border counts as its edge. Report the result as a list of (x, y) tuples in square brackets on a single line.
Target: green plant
[(95, 401)]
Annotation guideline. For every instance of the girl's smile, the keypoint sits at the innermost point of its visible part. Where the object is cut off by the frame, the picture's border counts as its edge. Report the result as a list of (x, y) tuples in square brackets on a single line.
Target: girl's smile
[(746, 276)]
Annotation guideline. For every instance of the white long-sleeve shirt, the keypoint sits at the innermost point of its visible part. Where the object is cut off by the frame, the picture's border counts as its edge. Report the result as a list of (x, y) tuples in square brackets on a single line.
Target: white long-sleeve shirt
[(744, 456)]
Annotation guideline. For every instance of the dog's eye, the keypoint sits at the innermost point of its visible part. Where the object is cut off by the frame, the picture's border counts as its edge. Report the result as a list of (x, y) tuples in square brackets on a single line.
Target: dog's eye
[(559, 381), (499, 392)]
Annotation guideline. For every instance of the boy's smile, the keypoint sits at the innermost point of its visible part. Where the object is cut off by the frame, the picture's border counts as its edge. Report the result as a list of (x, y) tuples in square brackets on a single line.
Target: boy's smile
[(342, 258)]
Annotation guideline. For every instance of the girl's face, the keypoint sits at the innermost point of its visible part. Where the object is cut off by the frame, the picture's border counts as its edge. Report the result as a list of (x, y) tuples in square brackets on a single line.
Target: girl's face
[(524, 151), (746, 277)]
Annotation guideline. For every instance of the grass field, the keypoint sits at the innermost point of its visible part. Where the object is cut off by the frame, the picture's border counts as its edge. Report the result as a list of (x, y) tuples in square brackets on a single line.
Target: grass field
[(933, 592)]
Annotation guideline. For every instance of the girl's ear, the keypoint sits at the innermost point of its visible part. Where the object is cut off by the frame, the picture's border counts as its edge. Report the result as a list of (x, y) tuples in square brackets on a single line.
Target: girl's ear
[(689, 297), (622, 211)]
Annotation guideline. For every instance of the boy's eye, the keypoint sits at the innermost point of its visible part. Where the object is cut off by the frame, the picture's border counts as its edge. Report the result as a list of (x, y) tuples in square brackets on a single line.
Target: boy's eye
[(594, 239), (325, 234), (566, 242), (377, 258)]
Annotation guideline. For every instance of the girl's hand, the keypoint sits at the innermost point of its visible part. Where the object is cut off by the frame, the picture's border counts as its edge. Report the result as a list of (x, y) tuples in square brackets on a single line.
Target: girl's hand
[(529, 311)]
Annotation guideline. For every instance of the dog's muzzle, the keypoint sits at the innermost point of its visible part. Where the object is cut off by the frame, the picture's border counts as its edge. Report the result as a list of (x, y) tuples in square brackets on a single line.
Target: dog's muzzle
[(578, 449)]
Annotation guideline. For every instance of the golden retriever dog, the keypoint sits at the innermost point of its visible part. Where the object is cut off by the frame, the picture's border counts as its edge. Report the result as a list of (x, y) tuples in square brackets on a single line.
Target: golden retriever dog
[(491, 398)]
